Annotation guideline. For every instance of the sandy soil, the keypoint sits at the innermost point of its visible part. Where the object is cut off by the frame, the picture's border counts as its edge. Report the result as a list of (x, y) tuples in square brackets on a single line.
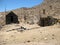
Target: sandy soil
[(36, 35)]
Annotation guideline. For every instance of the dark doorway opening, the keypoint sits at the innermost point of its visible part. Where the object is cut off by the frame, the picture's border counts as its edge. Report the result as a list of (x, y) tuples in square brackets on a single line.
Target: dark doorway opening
[(11, 18)]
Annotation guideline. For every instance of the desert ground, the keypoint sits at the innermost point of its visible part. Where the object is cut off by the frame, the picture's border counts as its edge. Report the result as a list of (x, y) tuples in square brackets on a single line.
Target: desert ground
[(32, 35)]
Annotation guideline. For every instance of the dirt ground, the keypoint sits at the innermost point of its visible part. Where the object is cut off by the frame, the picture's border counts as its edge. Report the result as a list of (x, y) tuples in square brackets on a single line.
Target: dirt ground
[(36, 35)]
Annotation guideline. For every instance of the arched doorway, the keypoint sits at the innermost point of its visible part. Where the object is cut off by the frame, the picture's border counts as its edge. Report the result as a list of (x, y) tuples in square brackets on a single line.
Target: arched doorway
[(11, 18)]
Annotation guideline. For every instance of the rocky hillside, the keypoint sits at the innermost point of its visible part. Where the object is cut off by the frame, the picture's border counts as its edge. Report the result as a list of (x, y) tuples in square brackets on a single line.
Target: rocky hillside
[(51, 7), (32, 15)]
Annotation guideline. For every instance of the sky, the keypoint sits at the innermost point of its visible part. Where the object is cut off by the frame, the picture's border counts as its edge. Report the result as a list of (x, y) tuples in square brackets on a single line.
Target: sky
[(14, 4)]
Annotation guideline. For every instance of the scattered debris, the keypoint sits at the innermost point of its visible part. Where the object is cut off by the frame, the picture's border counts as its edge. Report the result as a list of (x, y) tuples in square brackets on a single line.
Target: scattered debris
[(53, 35), (28, 41), (9, 30), (52, 38), (20, 30), (23, 28)]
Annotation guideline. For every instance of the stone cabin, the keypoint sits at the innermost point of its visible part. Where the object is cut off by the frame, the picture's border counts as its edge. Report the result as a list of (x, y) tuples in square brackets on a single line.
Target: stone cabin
[(11, 17)]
